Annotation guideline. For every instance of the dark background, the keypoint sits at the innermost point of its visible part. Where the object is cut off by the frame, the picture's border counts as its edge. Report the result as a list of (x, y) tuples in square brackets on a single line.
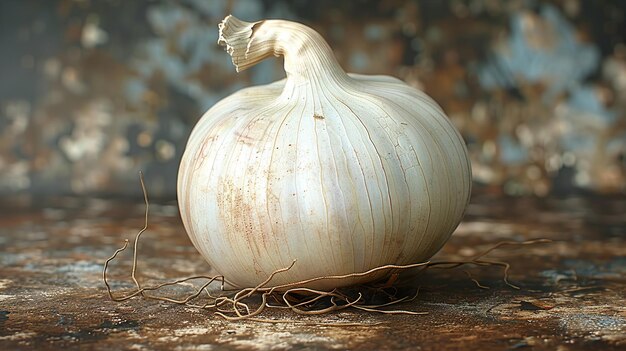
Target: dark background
[(91, 92)]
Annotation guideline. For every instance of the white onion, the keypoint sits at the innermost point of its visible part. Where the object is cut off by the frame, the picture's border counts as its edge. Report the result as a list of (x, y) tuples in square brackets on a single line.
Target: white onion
[(343, 173)]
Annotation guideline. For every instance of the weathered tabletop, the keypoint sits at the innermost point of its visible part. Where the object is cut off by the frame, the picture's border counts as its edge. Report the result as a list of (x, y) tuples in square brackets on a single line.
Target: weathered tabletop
[(572, 292)]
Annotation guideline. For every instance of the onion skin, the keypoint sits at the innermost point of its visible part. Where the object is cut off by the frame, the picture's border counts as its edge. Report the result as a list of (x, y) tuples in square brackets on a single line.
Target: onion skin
[(341, 172)]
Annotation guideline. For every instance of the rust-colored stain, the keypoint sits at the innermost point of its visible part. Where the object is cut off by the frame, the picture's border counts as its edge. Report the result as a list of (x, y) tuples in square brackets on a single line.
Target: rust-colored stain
[(571, 292)]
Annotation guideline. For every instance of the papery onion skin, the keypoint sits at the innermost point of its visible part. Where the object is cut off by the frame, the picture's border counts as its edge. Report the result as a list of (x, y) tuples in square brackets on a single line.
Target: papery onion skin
[(343, 173)]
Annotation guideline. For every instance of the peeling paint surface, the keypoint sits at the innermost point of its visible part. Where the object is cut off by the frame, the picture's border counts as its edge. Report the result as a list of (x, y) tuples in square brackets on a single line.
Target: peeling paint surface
[(572, 292)]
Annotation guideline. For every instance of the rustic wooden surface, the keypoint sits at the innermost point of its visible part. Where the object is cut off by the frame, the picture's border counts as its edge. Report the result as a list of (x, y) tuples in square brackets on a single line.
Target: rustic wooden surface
[(572, 292)]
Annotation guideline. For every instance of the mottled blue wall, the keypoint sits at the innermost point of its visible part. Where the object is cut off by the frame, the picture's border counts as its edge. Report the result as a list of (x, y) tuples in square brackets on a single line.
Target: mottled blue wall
[(91, 92)]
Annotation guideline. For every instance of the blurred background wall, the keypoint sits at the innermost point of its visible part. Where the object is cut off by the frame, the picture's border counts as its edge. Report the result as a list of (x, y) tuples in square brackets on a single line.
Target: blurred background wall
[(93, 91)]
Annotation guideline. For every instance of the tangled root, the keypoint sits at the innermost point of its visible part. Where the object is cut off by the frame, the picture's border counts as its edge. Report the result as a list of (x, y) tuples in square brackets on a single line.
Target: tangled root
[(215, 293)]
